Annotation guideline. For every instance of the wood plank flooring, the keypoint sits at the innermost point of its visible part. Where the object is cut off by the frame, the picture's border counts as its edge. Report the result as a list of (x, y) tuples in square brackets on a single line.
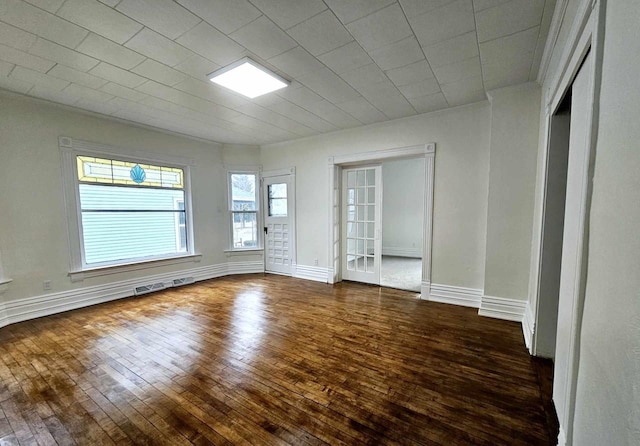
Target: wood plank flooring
[(269, 360)]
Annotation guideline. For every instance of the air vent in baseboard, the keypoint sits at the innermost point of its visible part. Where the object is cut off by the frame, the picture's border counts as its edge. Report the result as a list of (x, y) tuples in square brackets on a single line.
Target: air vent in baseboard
[(183, 281), (144, 289)]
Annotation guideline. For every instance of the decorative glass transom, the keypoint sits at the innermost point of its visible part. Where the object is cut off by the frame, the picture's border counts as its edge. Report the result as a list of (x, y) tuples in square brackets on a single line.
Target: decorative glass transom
[(106, 171)]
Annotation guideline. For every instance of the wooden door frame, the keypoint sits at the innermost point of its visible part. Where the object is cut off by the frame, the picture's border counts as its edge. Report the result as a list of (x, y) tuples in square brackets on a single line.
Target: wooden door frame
[(291, 204), (335, 165), (585, 36)]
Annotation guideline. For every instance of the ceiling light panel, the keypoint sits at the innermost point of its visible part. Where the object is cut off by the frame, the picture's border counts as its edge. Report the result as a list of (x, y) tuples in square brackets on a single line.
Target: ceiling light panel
[(248, 78)]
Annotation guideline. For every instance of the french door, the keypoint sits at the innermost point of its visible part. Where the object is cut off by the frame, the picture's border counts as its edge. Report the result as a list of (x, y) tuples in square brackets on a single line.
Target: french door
[(361, 224), (278, 224)]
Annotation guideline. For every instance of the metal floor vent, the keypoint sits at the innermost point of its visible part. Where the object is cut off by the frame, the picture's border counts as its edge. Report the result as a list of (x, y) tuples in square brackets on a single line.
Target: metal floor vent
[(183, 281), (144, 289)]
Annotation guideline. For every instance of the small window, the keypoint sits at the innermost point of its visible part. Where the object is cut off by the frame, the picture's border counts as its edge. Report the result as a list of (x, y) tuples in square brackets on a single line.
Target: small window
[(277, 200), (130, 211), (243, 207)]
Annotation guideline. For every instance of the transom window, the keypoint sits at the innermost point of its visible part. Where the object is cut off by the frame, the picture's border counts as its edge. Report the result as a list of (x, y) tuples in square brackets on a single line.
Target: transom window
[(243, 208), (130, 211)]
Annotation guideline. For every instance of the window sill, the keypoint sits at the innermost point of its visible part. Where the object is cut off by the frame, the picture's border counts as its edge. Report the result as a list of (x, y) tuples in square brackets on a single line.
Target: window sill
[(247, 251), (79, 276)]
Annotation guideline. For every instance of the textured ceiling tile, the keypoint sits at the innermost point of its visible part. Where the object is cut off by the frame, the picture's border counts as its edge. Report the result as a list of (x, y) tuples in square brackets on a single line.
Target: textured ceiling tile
[(211, 92), (362, 110), (443, 23), (328, 85), (5, 68), (397, 55), (393, 105), (212, 44), (158, 47), (462, 97), (364, 76), (287, 13), (301, 96), (123, 92), (225, 15), (13, 84), (479, 5), (197, 66), (508, 18), (464, 91), (15, 37), (453, 50), (381, 28), (104, 49), (164, 16), (63, 55), (58, 96), (263, 38), (117, 75), (302, 116), (456, 71), (429, 103), (346, 58), (505, 48), (37, 21), (90, 94), (329, 112), (348, 11), (78, 77), (321, 33), (100, 19), (410, 74), (39, 79), (296, 62), (159, 72), (495, 76), (421, 88), (48, 5), (23, 59), (417, 7)]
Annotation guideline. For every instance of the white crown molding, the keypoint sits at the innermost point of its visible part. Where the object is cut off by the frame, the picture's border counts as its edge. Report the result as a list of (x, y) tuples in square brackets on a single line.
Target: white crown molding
[(455, 295), (48, 304), (314, 273), (502, 308)]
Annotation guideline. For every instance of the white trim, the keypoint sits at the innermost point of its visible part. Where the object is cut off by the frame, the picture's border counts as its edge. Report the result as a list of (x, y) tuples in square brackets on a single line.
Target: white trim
[(415, 253), (79, 276), (246, 252), (502, 308), (48, 304), (562, 437), (380, 155), (552, 39), (455, 295), (528, 327), (314, 273), (278, 172)]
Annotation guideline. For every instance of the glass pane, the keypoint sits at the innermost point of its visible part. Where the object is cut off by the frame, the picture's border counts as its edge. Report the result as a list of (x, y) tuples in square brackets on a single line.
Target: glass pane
[(277, 207), (351, 229), (97, 197), (107, 171), (371, 213), (361, 195), (351, 213), (245, 230), (351, 196), (361, 216), (360, 264), (360, 246), (371, 177), (351, 179), (360, 230), (370, 248), (370, 230), (243, 192), (371, 195), (351, 263), (351, 246), (278, 190), (361, 180), (371, 264)]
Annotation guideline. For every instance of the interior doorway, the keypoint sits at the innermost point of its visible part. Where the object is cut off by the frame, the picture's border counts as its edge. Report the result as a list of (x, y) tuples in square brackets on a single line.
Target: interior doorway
[(278, 192), (402, 223)]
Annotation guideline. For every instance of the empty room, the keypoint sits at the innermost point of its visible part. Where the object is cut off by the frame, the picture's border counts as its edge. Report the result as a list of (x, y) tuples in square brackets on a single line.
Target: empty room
[(319, 222)]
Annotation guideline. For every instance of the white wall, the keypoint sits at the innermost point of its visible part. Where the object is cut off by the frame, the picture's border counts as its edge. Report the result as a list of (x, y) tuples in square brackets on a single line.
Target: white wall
[(515, 113), (608, 389), (403, 207), (462, 138), (33, 232)]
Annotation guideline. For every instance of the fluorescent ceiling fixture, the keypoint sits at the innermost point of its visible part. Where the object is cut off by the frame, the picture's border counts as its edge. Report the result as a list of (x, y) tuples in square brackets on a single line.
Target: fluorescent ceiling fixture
[(248, 78)]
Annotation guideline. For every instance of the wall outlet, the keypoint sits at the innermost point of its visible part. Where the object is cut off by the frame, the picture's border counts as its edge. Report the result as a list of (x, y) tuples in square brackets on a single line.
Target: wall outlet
[(315, 262), (46, 285)]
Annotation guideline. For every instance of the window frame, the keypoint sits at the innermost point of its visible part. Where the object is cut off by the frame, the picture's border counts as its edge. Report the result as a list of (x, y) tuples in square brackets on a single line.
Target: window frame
[(257, 211), (78, 268)]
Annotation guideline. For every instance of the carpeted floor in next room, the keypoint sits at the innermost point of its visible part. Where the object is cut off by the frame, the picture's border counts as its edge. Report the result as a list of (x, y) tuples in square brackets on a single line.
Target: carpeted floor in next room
[(403, 273)]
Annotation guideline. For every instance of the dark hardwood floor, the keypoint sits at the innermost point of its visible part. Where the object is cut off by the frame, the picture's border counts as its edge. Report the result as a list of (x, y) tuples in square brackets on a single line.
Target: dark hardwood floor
[(269, 360)]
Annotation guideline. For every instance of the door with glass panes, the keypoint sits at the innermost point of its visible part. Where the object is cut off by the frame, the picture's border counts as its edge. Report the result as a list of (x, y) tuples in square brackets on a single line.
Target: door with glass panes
[(361, 223), (278, 228)]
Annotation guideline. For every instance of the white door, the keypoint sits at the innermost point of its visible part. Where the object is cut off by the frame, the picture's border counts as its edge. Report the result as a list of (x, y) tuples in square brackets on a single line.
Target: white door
[(571, 274), (361, 224), (278, 227)]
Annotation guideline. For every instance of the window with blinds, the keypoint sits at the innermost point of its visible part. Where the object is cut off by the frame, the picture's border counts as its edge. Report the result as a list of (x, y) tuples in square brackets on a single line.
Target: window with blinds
[(130, 211)]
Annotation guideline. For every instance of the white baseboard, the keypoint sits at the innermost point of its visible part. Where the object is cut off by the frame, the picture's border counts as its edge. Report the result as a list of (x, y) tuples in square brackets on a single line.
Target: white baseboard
[(401, 252), (562, 437), (528, 327), (502, 308), (48, 304), (315, 273), (448, 294)]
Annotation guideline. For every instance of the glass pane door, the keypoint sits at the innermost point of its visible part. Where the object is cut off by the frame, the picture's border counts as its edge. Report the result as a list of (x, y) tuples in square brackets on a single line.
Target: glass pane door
[(361, 224)]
